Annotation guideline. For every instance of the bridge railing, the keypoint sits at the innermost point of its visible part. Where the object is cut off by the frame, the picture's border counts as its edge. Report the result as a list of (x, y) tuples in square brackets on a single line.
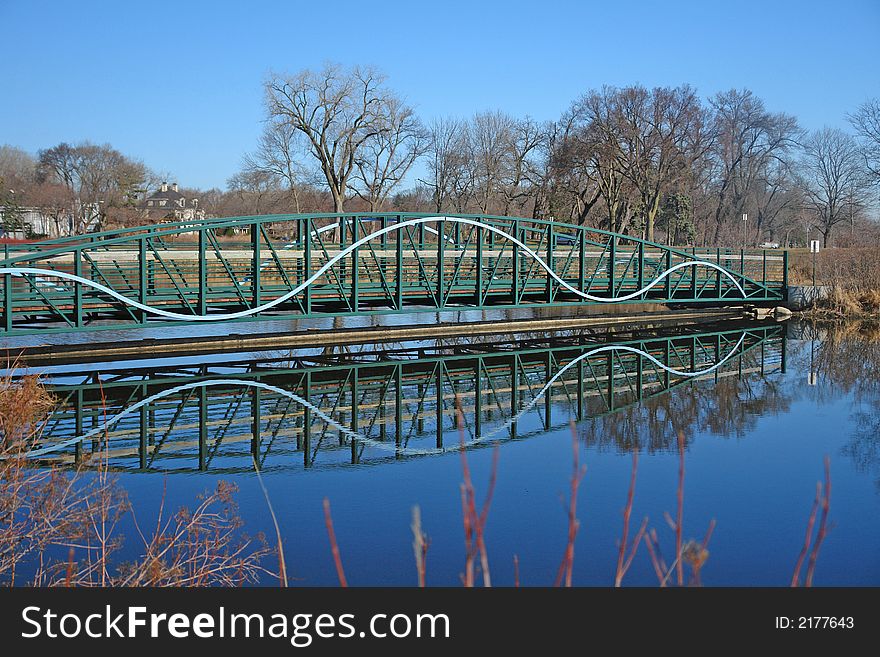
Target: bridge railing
[(301, 265)]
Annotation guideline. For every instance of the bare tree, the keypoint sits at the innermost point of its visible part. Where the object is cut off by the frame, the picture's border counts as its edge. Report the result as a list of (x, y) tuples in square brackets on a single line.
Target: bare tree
[(832, 178), (866, 122), (100, 177), (491, 137), (278, 155), (598, 128), (17, 166), (749, 139), (523, 174), (445, 158), (338, 111), (386, 158), (661, 136), (257, 189)]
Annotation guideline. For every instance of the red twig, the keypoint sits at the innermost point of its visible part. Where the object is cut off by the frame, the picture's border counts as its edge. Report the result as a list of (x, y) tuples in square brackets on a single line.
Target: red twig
[(420, 545), (823, 525), (334, 548), (623, 562), (474, 522), (567, 566), (808, 537), (657, 561)]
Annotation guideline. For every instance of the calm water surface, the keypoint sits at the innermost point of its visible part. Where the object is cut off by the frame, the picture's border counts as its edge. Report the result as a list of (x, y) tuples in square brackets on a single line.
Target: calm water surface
[(773, 401)]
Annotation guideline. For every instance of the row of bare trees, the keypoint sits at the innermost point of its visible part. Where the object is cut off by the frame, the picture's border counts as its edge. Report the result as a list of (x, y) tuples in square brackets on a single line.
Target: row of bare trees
[(662, 163)]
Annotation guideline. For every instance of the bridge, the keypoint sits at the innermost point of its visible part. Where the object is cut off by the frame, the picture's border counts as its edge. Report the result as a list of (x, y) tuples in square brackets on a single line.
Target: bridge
[(280, 266), (378, 405)]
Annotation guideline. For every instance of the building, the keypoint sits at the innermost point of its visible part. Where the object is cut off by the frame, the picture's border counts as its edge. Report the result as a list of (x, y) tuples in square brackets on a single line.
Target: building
[(169, 203), (33, 223)]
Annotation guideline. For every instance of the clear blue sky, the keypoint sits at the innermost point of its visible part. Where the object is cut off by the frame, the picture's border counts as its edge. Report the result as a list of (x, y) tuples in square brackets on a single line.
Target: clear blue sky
[(178, 84)]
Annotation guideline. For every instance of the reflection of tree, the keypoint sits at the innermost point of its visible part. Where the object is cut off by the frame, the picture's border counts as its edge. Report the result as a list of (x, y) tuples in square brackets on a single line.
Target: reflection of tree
[(730, 407), (847, 359), (864, 446)]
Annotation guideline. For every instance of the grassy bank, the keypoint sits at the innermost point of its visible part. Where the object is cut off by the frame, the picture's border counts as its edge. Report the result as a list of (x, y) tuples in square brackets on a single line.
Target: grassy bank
[(852, 274)]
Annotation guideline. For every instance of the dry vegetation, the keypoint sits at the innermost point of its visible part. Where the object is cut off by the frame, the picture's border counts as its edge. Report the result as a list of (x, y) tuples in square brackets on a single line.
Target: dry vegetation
[(852, 274), (63, 529)]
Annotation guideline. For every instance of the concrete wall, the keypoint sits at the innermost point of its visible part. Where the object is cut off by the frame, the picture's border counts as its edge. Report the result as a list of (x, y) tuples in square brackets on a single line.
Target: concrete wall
[(801, 297)]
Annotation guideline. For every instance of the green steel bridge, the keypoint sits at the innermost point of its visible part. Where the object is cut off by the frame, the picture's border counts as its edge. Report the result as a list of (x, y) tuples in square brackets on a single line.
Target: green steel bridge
[(302, 411), (260, 267)]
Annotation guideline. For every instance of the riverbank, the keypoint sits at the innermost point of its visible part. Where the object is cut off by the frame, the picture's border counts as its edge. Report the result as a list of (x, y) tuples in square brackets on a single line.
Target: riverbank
[(849, 280)]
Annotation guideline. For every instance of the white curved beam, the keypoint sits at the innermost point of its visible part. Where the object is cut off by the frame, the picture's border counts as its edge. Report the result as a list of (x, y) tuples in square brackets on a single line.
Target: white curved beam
[(32, 271), (356, 436)]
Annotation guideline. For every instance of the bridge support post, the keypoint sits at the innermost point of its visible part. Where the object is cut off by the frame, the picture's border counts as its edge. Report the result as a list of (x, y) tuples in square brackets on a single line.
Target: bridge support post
[(580, 390), (478, 292), (77, 290), (143, 278), (478, 398), (441, 264), (307, 262), (514, 266), (784, 279), (639, 376), (514, 392), (355, 265), (144, 431), (439, 407), (398, 405), (256, 425), (641, 273), (203, 272), (355, 412), (612, 253), (307, 422), (78, 426), (549, 291), (7, 302), (256, 265), (203, 428), (582, 265), (667, 283), (398, 283), (610, 374), (548, 398)]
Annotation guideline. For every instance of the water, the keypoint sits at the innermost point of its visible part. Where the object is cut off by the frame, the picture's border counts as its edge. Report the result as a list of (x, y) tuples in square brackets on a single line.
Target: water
[(756, 429)]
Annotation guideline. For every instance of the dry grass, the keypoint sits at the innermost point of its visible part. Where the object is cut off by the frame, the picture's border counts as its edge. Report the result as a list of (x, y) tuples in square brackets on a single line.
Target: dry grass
[(63, 529), (852, 274)]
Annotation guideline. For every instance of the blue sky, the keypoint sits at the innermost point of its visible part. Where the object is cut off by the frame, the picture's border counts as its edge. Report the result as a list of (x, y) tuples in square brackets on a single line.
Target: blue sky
[(178, 84)]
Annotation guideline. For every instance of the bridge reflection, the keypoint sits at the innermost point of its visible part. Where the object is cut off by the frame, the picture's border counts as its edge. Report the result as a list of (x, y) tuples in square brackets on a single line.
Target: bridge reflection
[(321, 410)]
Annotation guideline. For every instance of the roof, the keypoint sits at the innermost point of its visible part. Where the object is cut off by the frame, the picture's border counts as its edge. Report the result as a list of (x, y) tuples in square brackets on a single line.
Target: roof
[(169, 195)]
